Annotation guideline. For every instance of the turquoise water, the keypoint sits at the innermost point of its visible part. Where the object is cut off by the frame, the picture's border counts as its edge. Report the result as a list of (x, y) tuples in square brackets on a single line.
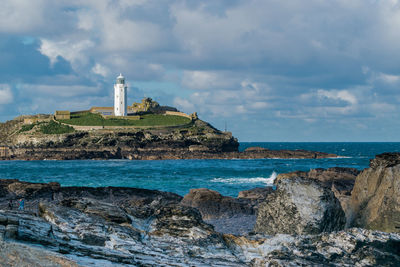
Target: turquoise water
[(225, 176)]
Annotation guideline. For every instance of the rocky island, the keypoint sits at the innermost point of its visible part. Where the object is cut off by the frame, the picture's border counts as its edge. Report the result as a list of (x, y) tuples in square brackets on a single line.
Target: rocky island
[(324, 217), (158, 132)]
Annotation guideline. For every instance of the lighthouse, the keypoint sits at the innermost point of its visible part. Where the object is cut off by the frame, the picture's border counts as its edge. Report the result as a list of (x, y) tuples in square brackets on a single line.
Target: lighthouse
[(120, 90)]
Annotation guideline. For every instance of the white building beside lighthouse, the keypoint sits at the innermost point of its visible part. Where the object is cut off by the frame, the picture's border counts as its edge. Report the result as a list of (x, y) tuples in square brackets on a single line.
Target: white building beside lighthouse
[(120, 90)]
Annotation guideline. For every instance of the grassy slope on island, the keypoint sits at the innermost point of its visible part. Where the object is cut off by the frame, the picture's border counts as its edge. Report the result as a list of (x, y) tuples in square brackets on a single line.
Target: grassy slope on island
[(55, 128), (90, 119)]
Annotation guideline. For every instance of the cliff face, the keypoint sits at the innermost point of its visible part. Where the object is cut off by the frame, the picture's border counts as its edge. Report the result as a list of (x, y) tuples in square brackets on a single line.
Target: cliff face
[(375, 199)]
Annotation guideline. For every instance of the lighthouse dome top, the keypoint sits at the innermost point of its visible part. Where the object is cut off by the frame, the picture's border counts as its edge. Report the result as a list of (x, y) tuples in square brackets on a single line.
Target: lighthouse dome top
[(120, 79)]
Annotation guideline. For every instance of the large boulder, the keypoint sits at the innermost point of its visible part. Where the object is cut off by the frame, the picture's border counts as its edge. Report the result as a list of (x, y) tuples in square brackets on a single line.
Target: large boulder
[(375, 199), (340, 180), (300, 206)]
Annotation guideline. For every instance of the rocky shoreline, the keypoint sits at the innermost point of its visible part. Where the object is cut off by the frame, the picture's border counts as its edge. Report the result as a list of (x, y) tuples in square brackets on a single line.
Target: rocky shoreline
[(155, 154), (304, 222)]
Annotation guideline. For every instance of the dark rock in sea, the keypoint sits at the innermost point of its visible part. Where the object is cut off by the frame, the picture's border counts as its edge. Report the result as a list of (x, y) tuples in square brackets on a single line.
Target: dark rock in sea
[(375, 199), (339, 180), (300, 206), (81, 226)]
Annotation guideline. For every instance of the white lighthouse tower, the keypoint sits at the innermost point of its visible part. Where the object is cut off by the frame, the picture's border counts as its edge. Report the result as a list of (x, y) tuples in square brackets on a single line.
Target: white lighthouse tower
[(120, 89)]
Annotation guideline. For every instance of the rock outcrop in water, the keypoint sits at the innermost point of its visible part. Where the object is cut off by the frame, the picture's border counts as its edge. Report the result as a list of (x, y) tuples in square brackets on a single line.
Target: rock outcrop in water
[(197, 140), (126, 226), (300, 206), (375, 198)]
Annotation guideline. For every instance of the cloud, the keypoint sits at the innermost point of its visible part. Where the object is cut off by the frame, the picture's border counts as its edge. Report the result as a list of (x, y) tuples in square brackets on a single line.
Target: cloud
[(343, 95), (256, 62), (73, 52), (6, 96), (100, 70), (18, 16)]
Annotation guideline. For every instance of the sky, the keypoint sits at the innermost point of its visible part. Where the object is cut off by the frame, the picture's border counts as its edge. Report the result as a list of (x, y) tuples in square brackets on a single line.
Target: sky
[(270, 70)]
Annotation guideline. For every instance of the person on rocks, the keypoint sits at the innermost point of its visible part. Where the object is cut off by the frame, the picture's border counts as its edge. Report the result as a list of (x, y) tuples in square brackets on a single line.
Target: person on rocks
[(10, 204), (21, 204)]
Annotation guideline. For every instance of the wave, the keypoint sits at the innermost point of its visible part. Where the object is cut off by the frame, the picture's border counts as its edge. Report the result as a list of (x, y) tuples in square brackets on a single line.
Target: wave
[(241, 180)]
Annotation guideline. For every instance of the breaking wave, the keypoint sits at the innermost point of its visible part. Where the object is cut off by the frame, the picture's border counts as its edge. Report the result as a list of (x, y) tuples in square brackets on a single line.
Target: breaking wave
[(254, 180)]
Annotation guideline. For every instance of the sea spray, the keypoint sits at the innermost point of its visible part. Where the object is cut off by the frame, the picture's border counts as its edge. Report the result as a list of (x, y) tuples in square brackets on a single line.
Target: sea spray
[(248, 180)]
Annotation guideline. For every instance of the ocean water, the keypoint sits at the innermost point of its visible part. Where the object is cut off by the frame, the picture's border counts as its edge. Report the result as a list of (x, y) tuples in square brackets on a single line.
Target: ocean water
[(225, 176)]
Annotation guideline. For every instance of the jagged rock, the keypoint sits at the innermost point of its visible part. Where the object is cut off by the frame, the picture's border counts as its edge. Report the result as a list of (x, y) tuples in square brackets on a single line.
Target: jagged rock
[(353, 247), (137, 227), (228, 215), (107, 211), (299, 206), (375, 199), (339, 180), (213, 205)]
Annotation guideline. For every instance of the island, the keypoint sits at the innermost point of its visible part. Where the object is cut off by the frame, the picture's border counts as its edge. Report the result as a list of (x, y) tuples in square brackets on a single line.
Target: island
[(142, 131), (157, 133)]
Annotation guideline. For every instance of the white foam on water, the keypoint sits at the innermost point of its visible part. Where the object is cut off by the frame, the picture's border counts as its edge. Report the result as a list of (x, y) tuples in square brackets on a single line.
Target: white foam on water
[(241, 180)]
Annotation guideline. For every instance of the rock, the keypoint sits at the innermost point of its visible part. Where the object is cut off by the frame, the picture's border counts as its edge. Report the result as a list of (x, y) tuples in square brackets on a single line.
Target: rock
[(136, 227), (213, 205), (255, 148), (375, 199), (353, 247), (299, 206), (339, 180), (259, 193), (107, 211), (198, 148), (22, 255)]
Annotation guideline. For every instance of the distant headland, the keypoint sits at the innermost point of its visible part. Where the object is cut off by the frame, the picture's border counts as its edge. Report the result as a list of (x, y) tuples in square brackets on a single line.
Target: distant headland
[(144, 130)]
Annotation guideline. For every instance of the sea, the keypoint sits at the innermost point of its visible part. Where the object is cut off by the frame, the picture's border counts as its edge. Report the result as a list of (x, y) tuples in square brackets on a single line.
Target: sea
[(228, 177)]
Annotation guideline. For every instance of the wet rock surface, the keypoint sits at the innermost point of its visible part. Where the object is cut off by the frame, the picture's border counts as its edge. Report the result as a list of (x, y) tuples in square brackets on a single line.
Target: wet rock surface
[(300, 206), (375, 199), (136, 227)]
